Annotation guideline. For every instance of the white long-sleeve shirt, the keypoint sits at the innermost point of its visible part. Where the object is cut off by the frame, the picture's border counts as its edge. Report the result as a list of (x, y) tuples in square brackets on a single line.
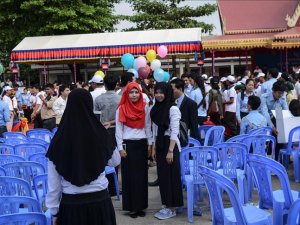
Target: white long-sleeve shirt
[(124, 132), (173, 130), (59, 106), (58, 185)]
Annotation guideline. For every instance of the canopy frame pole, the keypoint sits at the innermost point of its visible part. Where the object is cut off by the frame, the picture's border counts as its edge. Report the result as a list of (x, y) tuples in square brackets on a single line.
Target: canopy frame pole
[(74, 66), (45, 74), (286, 61), (213, 69)]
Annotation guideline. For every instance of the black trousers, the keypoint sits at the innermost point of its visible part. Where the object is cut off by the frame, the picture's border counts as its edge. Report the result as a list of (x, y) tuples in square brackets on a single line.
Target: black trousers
[(38, 123), (27, 113), (230, 121), (201, 120), (49, 123)]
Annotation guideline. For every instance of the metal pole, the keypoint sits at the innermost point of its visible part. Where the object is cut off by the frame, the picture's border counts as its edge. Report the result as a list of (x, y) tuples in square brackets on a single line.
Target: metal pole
[(45, 74), (213, 69), (74, 66), (286, 61)]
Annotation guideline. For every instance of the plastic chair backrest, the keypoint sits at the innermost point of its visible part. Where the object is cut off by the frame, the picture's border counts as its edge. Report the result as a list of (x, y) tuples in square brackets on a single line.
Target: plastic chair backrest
[(238, 138), (26, 150), (40, 182), (12, 204), (37, 141), (43, 135), (41, 158), (232, 157), (15, 141), (294, 213), (24, 219), (2, 171), (7, 149), (4, 159), (24, 170), (2, 140), (262, 167), (214, 135), (54, 130), (260, 144), (36, 130), (294, 139), (12, 186), (202, 132), (192, 157), (193, 142), (215, 184), (262, 130), (14, 135)]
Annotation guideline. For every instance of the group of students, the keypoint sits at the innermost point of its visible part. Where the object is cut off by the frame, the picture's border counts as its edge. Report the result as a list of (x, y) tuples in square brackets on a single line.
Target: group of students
[(137, 122)]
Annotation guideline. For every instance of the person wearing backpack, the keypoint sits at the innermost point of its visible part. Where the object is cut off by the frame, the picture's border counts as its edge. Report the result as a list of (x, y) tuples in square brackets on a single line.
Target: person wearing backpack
[(166, 116), (215, 102)]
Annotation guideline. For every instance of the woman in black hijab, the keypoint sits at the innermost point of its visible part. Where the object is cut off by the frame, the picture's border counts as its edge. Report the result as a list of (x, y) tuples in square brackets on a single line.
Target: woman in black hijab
[(78, 154), (166, 116)]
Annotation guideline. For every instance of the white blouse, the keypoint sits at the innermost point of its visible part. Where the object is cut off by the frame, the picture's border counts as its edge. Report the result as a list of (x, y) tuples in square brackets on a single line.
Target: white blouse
[(173, 130), (58, 185), (124, 132)]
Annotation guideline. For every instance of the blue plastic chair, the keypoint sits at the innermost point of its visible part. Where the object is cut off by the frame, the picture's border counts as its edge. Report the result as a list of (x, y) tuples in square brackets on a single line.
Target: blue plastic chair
[(202, 132), (260, 144), (54, 130), (24, 170), (15, 141), (233, 165), (40, 184), (190, 159), (14, 135), (238, 138), (262, 130), (280, 200), (193, 142), (214, 135), (294, 214), (43, 135), (41, 158), (4, 159), (23, 219), (36, 130), (16, 204), (7, 149), (12, 186), (112, 170), (26, 150), (2, 171), (237, 214), (37, 141), (293, 148), (2, 140)]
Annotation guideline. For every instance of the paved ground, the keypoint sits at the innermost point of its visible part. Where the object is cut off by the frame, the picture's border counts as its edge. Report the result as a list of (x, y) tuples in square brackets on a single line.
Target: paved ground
[(180, 219)]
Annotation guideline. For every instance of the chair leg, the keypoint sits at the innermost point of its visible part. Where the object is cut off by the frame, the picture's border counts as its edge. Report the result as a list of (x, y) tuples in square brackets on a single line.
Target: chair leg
[(190, 200), (296, 157), (117, 186), (241, 189), (278, 213)]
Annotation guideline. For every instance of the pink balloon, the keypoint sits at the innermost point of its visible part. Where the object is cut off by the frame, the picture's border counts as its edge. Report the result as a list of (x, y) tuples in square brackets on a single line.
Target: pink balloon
[(162, 51), (141, 62), (143, 72)]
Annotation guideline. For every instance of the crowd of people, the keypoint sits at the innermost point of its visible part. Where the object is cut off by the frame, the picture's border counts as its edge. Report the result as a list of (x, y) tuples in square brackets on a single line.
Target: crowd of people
[(125, 119)]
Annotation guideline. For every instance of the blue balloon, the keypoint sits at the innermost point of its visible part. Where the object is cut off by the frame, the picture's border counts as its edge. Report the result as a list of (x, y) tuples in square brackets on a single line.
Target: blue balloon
[(166, 76), (127, 60), (159, 75), (136, 74)]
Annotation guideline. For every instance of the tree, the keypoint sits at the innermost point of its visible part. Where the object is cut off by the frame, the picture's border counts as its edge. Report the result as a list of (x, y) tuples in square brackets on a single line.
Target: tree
[(19, 19), (166, 14)]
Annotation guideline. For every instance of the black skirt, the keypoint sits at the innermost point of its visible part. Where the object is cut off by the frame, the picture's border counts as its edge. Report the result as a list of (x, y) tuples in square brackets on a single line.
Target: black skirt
[(89, 208), (134, 171), (169, 179)]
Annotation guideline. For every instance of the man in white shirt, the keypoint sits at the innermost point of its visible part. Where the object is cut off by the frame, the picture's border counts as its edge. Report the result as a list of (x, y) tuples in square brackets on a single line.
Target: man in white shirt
[(36, 113), (296, 78), (11, 101), (98, 87), (59, 104)]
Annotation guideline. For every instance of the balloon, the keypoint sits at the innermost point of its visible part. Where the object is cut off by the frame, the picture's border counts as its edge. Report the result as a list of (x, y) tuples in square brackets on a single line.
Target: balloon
[(136, 75), (162, 51), (143, 72), (140, 62), (166, 76), (127, 60), (100, 73), (155, 64), (159, 75), (151, 55)]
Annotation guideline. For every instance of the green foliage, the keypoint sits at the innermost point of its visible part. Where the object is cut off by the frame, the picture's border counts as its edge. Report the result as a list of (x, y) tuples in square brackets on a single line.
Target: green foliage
[(166, 14), (22, 18)]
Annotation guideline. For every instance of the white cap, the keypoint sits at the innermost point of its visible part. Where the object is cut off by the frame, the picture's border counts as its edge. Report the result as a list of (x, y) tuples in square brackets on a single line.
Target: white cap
[(279, 75), (223, 79), (7, 88), (231, 78), (261, 75), (96, 79), (204, 76), (208, 80)]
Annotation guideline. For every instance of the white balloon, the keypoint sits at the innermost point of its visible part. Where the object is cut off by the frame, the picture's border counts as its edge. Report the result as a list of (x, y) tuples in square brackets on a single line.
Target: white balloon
[(155, 64)]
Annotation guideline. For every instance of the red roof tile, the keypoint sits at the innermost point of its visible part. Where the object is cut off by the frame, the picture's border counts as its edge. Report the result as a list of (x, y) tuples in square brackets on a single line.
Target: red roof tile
[(242, 16)]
